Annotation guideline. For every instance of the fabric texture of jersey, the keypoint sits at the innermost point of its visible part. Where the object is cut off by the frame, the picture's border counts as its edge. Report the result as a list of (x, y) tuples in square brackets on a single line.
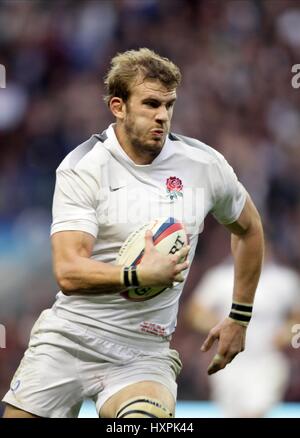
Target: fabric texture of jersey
[(101, 191)]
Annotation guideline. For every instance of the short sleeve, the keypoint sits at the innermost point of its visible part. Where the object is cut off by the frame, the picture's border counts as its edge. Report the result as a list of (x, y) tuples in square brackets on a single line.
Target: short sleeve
[(229, 194), (74, 202)]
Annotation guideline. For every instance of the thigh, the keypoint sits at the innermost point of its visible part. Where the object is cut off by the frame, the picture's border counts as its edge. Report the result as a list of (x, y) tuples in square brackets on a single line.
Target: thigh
[(12, 412), (142, 397), (46, 384), (147, 375)]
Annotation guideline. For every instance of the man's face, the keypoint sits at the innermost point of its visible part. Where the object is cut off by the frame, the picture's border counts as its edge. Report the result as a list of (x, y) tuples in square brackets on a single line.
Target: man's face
[(148, 115)]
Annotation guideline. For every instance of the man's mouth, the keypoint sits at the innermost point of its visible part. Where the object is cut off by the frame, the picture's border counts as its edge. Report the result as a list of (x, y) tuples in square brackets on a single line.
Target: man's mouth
[(157, 132)]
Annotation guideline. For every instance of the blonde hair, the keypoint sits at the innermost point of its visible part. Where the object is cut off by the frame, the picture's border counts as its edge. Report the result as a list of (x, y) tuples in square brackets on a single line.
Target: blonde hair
[(127, 66)]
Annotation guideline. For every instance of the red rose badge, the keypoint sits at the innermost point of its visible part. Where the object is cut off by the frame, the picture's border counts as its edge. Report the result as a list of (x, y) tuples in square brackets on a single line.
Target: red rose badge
[(174, 187)]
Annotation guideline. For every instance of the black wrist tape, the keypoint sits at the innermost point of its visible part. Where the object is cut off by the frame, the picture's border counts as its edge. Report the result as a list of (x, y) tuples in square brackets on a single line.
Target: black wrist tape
[(126, 276), (134, 277), (241, 313), (130, 276)]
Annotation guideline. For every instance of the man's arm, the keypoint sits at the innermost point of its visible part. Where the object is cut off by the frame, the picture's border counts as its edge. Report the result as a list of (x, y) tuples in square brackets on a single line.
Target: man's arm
[(77, 273), (247, 246)]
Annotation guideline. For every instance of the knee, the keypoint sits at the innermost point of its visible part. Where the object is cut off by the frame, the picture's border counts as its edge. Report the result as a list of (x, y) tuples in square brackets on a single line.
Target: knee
[(143, 407)]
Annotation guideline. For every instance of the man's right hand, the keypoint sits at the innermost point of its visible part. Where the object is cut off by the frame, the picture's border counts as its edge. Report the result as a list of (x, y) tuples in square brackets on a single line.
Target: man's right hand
[(157, 269)]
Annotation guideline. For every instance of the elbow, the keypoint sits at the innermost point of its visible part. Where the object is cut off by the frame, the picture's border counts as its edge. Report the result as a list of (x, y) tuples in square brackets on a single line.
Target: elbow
[(254, 228), (66, 287), (65, 281), (257, 228)]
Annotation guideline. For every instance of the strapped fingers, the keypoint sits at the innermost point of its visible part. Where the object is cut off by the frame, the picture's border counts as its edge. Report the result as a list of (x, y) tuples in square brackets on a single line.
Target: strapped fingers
[(231, 356), (219, 357), (219, 362)]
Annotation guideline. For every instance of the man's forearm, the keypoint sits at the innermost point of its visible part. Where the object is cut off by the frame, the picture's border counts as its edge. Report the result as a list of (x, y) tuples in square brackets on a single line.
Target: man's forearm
[(77, 273), (87, 276), (247, 250)]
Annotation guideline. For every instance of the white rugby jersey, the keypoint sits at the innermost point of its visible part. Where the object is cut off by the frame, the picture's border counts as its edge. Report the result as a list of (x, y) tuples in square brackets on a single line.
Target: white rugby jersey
[(101, 191)]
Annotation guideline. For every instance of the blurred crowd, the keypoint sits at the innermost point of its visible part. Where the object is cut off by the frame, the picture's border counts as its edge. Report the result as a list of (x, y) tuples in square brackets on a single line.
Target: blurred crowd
[(236, 58)]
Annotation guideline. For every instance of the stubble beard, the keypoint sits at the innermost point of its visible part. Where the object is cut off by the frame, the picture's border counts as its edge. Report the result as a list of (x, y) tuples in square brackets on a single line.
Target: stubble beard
[(141, 147)]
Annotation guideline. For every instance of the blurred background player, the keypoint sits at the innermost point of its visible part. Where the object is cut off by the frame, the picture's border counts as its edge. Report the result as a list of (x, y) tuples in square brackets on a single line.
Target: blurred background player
[(257, 379)]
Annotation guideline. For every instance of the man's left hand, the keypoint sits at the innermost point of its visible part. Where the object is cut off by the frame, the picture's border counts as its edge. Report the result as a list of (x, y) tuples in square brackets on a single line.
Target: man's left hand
[(231, 337)]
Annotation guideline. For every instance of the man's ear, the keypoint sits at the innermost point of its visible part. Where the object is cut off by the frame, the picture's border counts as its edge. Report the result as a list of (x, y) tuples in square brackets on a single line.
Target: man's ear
[(117, 107)]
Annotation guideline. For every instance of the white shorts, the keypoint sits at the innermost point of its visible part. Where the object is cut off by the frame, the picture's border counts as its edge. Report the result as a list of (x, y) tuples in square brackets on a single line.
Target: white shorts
[(66, 363)]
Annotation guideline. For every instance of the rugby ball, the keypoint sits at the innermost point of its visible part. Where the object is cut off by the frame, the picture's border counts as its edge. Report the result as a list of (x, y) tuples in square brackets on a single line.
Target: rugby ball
[(169, 236)]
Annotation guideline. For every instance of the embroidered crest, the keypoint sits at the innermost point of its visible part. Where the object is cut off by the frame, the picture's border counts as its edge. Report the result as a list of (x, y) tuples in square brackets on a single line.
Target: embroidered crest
[(174, 187)]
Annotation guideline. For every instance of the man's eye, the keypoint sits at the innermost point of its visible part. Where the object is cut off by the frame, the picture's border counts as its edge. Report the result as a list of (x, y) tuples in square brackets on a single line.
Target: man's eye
[(152, 104)]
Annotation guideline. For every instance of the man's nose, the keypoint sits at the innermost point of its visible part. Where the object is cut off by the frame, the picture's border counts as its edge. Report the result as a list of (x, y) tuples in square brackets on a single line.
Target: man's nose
[(162, 114)]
